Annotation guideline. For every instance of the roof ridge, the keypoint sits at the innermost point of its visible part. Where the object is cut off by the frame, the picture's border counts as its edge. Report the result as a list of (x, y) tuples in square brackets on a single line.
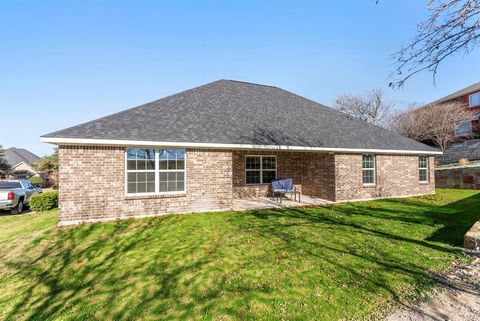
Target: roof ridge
[(249, 83)]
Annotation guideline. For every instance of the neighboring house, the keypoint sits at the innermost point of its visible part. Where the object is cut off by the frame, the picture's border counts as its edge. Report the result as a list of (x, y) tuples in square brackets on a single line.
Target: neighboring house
[(470, 98), (201, 149), (21, 161)]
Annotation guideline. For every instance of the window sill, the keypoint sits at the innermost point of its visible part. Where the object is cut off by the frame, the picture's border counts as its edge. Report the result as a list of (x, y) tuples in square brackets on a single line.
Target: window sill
[(258, 184), (369, 185), (152, 196), (424, 183)]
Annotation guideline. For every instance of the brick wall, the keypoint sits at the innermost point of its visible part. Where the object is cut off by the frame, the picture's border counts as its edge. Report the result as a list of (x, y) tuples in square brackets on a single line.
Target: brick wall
[(92, 181), (312, 173), (92, 185), (396, 175)]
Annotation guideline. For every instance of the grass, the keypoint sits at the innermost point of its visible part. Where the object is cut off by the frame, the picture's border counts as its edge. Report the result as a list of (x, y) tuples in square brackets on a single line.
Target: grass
[(346, 261)]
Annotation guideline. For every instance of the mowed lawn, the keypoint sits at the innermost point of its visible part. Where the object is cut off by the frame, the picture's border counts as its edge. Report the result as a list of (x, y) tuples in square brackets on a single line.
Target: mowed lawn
[(348, 261)]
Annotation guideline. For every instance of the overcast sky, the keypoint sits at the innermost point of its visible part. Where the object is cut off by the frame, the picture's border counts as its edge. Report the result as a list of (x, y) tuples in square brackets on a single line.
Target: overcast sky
[(66, 62)]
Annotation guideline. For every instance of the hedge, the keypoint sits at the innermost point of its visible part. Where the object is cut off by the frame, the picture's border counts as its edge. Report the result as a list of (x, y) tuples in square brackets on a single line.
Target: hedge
[(44, 201), (36, 180)]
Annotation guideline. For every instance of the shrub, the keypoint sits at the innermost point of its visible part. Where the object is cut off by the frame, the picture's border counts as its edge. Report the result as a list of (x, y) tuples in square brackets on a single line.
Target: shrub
[(36, 180), (44, 202), (55, 186)]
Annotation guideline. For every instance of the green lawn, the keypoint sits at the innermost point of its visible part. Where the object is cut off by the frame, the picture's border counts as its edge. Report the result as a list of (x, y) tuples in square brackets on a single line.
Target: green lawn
[(347, 261)]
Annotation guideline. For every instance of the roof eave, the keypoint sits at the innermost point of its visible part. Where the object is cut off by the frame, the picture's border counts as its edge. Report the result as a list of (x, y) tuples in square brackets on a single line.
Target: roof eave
[(127, 143)]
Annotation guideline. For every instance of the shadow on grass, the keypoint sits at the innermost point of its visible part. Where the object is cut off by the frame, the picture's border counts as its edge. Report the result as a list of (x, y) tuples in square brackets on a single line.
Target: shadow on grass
[(190, 268)]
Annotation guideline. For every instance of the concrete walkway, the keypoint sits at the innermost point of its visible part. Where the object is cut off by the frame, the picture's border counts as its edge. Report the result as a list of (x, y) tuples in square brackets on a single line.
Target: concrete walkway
[(455, 298), (266, 202)]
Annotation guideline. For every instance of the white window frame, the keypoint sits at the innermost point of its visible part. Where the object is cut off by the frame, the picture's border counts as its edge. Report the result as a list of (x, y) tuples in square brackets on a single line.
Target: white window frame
[(374, 169), (424, 168), (470, 100), (157, 171), (261, 168)]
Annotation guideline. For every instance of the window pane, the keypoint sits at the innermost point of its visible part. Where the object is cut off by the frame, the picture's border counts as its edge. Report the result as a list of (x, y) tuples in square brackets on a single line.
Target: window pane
[(368, 161), (180, 176), (150, 160), (163, 177), (163, 164), (139, 158), (180, 186), (163, 186), (141, 177), (268, 176), (150, 177), (151, 187), (253, 162), (464, 129), (368, 176), (269, 163), (141, 187), (474, 99), (131, 164), (172, 164), (253, 177), (162, 154), (171, 176), (180, 153), (422, 162), (131, 188), (131, 177), (423, 175), (172, 186), (180, 164)]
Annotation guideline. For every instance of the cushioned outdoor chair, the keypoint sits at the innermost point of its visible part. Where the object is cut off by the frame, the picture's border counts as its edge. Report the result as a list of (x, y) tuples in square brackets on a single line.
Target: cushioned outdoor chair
[(280, 187)]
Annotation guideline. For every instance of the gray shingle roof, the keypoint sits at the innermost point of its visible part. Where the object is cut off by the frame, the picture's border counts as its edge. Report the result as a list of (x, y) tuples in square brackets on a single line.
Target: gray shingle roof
[(234, 112), (17, 155), (460, 93)]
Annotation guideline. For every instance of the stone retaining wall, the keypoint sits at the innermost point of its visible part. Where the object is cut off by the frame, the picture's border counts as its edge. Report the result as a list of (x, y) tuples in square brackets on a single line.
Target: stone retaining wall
[(469, 149), (458, 177)]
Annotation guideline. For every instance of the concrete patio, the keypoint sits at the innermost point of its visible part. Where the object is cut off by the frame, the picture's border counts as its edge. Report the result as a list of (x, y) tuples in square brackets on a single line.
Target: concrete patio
[(246, 204)]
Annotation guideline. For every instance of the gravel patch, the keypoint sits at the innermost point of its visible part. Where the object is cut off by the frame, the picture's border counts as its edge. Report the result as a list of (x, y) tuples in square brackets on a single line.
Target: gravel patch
[(456, 297)]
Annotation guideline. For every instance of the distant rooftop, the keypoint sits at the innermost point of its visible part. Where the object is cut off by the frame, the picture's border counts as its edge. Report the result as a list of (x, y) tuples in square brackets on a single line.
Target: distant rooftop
[(15, 156), (462, 92)]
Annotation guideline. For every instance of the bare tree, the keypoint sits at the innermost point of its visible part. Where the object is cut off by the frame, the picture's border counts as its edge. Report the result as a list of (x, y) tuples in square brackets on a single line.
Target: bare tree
[(407, 123), (436, 123), (452, 26), (371, 107)]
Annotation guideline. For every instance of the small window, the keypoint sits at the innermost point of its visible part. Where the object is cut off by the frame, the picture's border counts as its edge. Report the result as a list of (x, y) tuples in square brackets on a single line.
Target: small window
[(260, 169), (368, 169), (150, 171), (474, 100), (423, 168), (464, 129)]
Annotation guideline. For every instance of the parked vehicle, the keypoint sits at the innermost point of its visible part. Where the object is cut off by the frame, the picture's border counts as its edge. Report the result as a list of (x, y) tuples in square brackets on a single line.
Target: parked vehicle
[(38, 189), (15, 194)]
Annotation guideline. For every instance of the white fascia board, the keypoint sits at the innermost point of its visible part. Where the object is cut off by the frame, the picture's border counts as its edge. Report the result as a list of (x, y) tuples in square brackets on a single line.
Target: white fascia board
[(140, 143)]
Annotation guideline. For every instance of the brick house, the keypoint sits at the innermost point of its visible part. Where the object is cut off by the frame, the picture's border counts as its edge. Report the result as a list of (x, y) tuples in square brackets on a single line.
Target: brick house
[(469, 97), (201, 149)]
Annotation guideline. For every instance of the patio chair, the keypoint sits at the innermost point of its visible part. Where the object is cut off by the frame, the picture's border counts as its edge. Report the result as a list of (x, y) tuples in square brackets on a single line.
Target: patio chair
[(280, 187)]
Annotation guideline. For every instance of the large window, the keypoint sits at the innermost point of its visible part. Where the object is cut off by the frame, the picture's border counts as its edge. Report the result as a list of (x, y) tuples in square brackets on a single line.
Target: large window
[(154, 171), (474, 100), (423, 168), (260, 169), (368, 169)]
